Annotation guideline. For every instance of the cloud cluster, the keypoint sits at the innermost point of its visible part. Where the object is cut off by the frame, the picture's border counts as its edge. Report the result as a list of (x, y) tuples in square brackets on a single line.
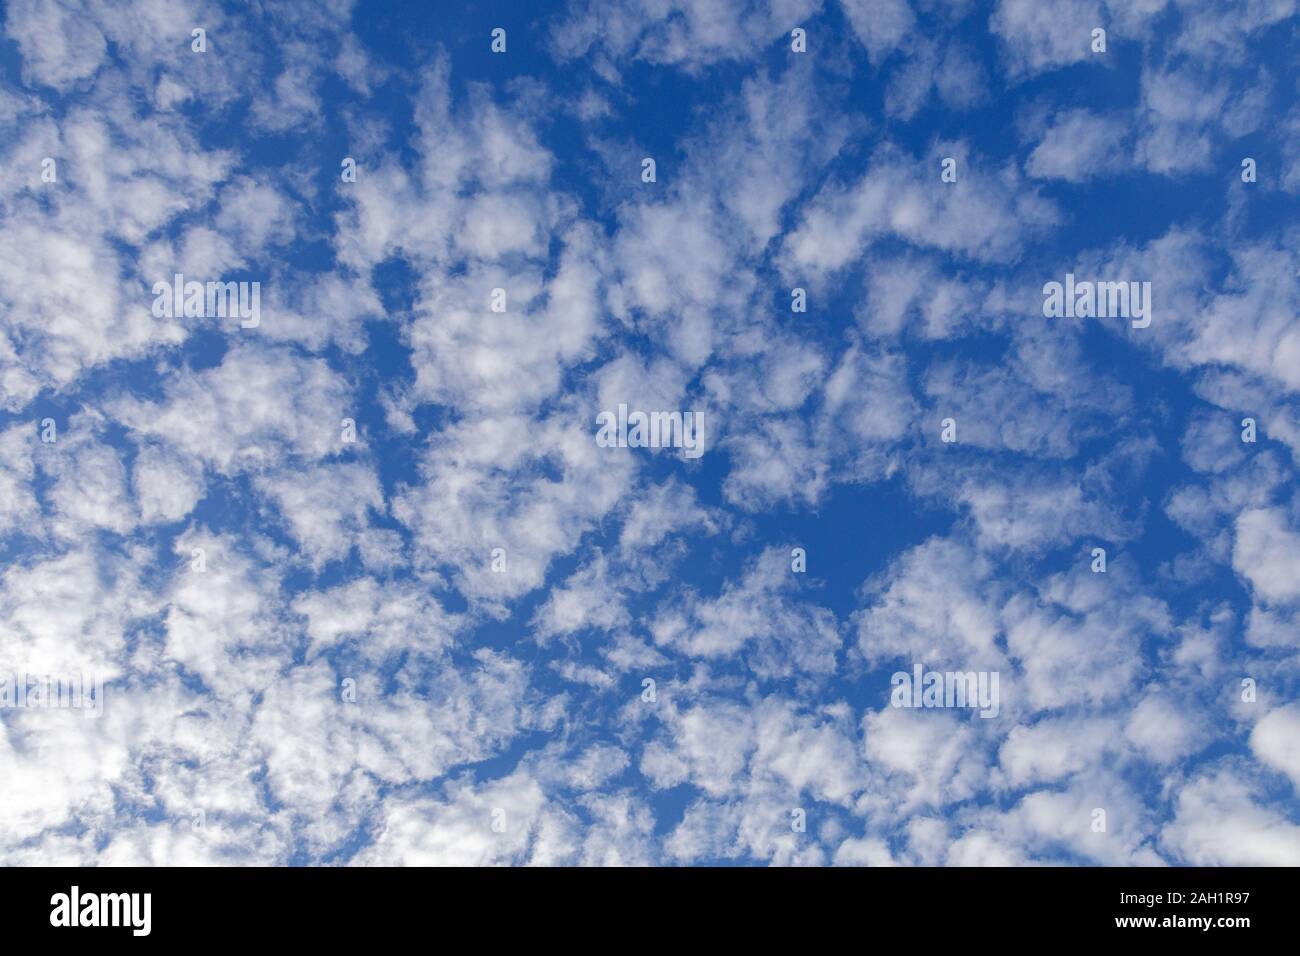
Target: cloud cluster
[(361, 587)]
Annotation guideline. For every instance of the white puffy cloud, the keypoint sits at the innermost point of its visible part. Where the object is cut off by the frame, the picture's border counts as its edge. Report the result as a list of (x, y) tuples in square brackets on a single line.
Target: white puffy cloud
[(1267, 553), (932, 754), (685, 33), (1039, 36), (937, 608), (880, 26), (1054, 748), (1219, 822), (1078, 638), (986, 215), (246, 413), (1078, 146), (758, 616), (1276, 741)]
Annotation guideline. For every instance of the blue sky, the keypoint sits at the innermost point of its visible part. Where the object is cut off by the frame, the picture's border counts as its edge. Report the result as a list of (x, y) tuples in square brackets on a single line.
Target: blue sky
[(312, 651)]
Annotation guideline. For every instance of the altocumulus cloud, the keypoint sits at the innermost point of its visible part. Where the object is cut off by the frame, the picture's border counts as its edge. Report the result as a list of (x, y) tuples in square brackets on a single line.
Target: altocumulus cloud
[(359, 584)]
